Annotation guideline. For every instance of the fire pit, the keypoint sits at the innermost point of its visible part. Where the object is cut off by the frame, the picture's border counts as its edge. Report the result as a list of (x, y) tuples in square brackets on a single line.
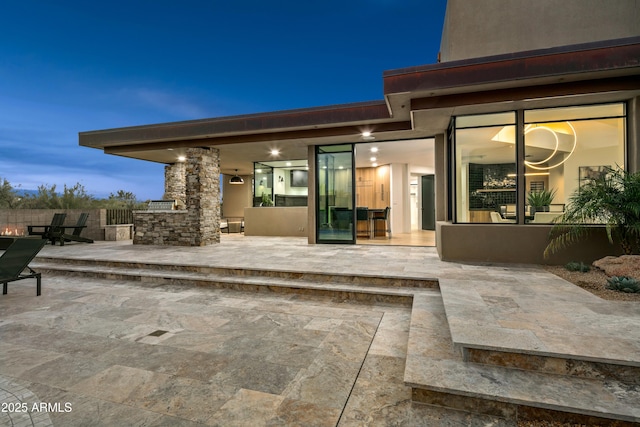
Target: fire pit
[(9, 233), (12, 230)]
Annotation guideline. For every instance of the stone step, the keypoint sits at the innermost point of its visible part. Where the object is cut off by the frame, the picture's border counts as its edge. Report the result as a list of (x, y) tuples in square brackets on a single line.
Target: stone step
[(438, 375), (333, 277), (551, 327), (280, 283)]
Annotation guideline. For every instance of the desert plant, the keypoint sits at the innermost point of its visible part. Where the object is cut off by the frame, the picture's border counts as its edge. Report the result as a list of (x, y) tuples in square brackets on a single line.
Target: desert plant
[(541, 198), (266, 200), (612, 199), (577, 266), (623, 284)]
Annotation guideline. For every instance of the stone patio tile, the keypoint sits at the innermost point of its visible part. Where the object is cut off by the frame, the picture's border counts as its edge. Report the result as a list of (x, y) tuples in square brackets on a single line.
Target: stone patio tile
[(175, 322), (327, 381), (296, 412), (247, 407), (15, 360), (65, 371), (256, 374)]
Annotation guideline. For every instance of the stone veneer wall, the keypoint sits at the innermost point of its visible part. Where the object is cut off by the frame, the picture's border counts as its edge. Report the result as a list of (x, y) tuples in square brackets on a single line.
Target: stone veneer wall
[(199, 224), (175, 183)]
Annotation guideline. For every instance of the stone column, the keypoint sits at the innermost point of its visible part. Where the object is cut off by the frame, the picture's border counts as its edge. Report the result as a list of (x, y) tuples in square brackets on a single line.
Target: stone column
[(175, 183), (203, 195)]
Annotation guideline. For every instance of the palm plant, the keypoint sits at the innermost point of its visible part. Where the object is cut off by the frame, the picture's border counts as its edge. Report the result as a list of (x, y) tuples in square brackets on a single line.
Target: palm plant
[(612, 199)]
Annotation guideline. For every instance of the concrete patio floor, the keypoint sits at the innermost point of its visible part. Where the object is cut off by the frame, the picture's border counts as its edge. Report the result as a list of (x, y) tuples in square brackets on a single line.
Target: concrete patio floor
[(115, 352)]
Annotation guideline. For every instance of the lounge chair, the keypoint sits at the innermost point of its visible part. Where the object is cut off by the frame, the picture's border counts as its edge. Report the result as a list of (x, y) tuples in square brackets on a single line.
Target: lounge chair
[(61, 235), (15, 260), (56, 223)]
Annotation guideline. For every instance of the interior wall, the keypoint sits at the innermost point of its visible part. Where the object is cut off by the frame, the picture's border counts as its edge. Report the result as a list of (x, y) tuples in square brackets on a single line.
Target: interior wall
[(400, 202)]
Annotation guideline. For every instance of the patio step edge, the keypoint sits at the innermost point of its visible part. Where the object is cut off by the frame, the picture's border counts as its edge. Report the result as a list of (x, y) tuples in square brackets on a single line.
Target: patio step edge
[(438, 375), (157, 277), (360, 279)]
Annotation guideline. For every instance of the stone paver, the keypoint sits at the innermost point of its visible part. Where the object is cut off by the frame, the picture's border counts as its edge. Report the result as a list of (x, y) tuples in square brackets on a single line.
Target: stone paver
[(227, 357), (182, 355)]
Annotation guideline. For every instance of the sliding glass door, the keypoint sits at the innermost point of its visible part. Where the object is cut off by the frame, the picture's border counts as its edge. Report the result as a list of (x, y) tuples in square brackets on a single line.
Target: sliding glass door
[(335, 195)]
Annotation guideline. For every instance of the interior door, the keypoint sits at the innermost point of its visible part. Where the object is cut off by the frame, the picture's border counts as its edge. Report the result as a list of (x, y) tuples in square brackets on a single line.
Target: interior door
[(428, 202)]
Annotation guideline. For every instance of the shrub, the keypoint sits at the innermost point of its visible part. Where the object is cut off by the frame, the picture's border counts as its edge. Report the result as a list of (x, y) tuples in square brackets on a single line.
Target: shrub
[(623, 284), (577, 266)]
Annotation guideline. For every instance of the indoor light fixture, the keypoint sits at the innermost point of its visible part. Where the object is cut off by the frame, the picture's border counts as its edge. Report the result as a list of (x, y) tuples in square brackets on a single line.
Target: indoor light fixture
[(236, 179), (367, 136), (181, 158), (540, 165), (275, 152)]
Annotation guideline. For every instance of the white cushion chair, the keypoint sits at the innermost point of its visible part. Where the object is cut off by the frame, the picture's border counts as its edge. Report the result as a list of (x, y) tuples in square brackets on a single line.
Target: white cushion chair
[(497, 218), (545, 217)]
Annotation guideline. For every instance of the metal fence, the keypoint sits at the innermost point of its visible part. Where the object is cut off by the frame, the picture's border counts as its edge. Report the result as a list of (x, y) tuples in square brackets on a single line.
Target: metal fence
[(119, 216)]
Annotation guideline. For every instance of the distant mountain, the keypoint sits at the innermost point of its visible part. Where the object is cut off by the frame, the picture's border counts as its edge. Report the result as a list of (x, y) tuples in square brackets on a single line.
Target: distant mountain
[(23, 192)]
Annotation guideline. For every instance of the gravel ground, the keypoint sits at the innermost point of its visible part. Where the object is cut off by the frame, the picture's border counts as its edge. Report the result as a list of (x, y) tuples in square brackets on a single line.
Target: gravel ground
[(594, 281)]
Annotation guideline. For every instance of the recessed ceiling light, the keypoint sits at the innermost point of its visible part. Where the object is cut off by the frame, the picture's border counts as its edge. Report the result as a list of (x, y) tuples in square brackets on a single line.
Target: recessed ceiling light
[(275, 152), (374, 149), (373, 159), (288, 163), (340, 167), (366, 134), (374, 164), (182, 158)]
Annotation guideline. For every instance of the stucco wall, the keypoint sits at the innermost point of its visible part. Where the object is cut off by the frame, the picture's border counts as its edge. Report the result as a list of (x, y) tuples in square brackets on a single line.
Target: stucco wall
[(236, 197), (478, 28), (276, 221), (524, 244)]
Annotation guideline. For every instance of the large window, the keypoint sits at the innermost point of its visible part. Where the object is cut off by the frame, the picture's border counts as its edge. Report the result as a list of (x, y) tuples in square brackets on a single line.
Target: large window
[(281, 183), (485, 161), (562, 149)]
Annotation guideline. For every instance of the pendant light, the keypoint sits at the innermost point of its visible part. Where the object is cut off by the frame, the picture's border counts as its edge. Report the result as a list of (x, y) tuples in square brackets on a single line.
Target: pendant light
[(236, 179)]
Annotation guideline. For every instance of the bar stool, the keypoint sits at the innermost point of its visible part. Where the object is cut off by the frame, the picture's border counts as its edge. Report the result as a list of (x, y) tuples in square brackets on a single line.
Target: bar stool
[(385, 218), (362, 214)]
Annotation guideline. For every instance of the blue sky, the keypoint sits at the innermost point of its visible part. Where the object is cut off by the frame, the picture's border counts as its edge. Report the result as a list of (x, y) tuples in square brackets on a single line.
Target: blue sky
[(72, 66)]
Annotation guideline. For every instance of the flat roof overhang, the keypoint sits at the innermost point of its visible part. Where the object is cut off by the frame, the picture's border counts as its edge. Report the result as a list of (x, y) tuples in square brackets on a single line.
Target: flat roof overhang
[(419, 102), (606, 71)]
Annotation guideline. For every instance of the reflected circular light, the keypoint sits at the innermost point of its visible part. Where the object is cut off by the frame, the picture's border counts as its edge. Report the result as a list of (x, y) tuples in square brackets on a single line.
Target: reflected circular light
[(374, 149), (535, 165)]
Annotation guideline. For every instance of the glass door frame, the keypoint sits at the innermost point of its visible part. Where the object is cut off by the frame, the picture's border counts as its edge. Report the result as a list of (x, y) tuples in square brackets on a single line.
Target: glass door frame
[(318, 222)]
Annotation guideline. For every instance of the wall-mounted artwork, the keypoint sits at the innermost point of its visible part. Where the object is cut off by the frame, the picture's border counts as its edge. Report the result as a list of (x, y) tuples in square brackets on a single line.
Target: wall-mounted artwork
[(588, 173)]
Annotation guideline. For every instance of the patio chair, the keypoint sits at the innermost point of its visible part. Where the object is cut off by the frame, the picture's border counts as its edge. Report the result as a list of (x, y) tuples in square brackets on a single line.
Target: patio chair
[(15, 260), (60, 234), (56, 223)]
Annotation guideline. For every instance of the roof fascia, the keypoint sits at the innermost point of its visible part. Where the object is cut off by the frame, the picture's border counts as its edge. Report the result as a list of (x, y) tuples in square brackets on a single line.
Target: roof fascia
[(258, 124), (568, 62)]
